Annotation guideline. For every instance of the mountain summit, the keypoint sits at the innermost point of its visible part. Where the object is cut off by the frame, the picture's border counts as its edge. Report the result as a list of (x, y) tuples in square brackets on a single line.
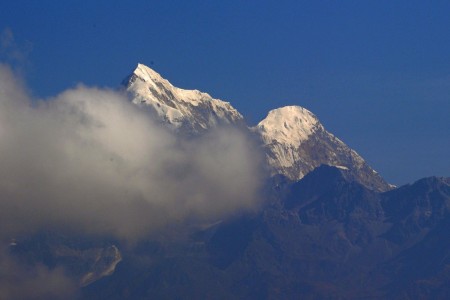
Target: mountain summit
[(294, 140), (296, 143), (289, 125), (189, 111)]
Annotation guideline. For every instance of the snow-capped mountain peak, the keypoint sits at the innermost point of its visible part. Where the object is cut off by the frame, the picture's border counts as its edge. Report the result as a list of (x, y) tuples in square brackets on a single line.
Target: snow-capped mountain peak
[(289, 125), (147, 74), (162, 86), (296, 143), (186, 110)]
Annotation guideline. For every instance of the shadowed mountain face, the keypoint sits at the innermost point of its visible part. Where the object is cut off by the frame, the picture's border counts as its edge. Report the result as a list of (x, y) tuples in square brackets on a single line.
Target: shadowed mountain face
[(325, 236)]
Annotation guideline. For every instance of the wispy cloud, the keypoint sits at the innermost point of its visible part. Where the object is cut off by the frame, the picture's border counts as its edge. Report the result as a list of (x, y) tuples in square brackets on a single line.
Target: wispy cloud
[(13, 52)]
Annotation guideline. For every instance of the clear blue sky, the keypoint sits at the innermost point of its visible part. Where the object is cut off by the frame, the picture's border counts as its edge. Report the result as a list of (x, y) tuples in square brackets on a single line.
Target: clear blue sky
[(376, 73)]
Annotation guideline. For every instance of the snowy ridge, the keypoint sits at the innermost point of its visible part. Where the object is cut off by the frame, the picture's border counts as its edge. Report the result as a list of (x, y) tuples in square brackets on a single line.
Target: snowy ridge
[(190, 110)]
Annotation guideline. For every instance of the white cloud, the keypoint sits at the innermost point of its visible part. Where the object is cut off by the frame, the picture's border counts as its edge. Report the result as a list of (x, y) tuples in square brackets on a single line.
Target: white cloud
[(91, 161)]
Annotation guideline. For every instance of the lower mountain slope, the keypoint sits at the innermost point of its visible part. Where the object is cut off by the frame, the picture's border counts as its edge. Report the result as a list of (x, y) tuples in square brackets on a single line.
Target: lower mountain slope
[(326, 236)]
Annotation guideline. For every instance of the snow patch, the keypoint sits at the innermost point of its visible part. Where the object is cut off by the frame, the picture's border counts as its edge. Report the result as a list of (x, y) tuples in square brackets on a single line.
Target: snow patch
[(342, 167)]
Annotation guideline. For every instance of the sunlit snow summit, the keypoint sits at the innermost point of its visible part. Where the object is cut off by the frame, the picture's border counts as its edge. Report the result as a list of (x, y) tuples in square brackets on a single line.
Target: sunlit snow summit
[(188, 111)]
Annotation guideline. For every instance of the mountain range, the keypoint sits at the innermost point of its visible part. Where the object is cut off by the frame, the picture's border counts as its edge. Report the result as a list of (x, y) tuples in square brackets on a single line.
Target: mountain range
[(294, 140), (330, 226), (323, 237)]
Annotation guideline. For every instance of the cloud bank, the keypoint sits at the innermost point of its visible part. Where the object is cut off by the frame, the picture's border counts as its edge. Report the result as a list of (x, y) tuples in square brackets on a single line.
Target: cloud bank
[(89, 160)]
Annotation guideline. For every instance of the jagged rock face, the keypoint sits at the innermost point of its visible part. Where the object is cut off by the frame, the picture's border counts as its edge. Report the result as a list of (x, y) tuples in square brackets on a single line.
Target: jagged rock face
[(296, 143), (187, 111)]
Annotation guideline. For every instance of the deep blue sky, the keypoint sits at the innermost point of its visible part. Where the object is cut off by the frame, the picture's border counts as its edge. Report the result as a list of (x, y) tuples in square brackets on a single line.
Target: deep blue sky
[(376, 73)]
